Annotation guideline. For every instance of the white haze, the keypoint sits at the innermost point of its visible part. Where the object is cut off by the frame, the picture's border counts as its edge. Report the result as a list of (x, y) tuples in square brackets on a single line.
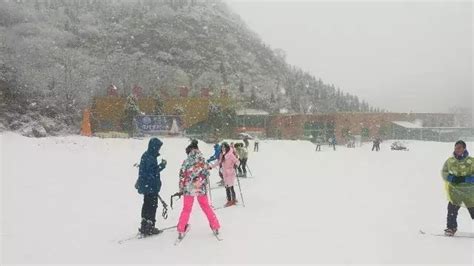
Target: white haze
[(402, 56)]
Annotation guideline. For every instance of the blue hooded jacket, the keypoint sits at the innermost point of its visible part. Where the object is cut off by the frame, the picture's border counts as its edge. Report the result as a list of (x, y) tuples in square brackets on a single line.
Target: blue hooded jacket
[(217, 152), (149, 181)]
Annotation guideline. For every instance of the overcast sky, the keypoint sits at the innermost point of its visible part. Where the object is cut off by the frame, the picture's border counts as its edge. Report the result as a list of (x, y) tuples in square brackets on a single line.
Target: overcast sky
[(400, 56)]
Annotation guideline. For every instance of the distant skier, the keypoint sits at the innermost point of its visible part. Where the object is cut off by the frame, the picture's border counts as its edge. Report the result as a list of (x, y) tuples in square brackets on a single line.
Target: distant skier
[(246, 141), (243, 157), (193, 180), (376, 144), (318, 143), (227, 162), (255, 145), (458, 174), (333, 142), (149, 185)]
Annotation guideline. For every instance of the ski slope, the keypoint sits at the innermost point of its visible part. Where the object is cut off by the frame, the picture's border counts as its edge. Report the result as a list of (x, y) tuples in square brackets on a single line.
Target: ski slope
[(70, 199)]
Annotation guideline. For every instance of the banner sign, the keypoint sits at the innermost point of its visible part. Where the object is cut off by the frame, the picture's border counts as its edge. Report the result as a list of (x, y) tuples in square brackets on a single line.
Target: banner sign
[(159, 124)]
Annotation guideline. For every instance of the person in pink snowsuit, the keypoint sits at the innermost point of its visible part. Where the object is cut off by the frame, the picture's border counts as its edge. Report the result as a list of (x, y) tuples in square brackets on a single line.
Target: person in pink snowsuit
[(228, 161), (193, 180)]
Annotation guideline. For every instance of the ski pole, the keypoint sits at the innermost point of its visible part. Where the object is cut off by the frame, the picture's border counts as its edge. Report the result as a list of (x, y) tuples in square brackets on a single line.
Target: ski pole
[(177, 194), (165, 208), (248, 168), (210, 193), (240, 190)]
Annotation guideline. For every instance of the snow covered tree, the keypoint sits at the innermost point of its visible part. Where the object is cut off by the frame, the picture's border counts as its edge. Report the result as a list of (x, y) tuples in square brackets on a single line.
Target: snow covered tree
[(130, 112)]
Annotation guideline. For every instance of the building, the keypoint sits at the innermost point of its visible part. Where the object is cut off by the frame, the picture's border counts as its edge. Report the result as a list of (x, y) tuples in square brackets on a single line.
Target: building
[(252, 121)]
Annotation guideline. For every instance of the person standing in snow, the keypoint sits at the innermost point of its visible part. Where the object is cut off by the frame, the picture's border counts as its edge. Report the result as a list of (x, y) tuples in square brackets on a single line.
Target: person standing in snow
[(215, 156), (333, 142), (228, 161), (243, 157), (458, 174), (217, 152), (318, 142), (246, 141), (149, 185), (376, 144), (193, 180), (255, 144)]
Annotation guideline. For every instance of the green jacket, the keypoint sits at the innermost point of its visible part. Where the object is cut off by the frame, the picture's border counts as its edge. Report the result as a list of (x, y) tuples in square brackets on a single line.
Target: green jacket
[(459, 194), (243, 153), (455, 167)]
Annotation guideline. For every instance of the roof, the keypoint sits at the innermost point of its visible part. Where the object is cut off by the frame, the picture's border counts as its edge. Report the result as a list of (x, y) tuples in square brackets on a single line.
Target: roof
[(406, 124), (410, 125), (251, 112)]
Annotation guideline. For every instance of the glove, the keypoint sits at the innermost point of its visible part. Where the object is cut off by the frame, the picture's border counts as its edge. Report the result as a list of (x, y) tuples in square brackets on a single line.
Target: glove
[(450, 178), (163, 163), (456, 179)]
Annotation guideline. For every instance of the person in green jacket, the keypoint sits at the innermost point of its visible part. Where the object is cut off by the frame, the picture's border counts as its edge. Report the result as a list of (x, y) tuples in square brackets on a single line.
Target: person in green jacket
[(243, 157), (458, 174)]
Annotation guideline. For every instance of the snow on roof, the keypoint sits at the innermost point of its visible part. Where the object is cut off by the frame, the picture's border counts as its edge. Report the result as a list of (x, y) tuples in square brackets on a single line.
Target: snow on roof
[(251, 112), (406, 124)]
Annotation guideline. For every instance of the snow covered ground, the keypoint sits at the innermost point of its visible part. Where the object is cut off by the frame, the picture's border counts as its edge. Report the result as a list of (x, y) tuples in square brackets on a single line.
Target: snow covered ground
[(70, 199)]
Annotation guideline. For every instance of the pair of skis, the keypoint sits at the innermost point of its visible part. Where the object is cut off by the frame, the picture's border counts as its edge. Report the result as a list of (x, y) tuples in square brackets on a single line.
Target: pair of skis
[(188, 227), (140, 235), (457, 235)]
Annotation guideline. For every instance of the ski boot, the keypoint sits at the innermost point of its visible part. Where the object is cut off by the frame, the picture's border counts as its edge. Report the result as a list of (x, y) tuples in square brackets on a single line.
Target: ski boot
[(148, 228), (182, 234), (450, 231)]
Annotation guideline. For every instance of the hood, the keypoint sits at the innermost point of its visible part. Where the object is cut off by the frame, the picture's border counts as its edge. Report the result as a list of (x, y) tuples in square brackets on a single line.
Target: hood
[(154, 146)]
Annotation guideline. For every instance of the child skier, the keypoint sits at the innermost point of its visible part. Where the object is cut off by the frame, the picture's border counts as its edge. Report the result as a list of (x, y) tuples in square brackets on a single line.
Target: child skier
[(227, 162), (458, 174), (193, 179)]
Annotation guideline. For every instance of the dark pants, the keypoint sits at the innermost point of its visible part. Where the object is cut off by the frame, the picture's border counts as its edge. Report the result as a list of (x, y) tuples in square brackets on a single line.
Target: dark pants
[(255, 146), (150, 203), (229, 191), (453, 215), (243, 166), (318, 147)]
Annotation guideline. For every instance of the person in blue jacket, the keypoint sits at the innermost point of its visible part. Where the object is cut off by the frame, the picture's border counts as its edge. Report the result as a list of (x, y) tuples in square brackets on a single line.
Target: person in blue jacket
[(215, 156), (149, 185), (217, 152)]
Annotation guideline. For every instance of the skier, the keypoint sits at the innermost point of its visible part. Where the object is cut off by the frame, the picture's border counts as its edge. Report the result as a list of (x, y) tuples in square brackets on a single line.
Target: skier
[(215, 156), (333, 142), (255, 144), (227, 162), (243, 157), (149, 185), (246, 141), (376, 144), (318, 142), (193, 179), (217, 152), (458, 174)]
